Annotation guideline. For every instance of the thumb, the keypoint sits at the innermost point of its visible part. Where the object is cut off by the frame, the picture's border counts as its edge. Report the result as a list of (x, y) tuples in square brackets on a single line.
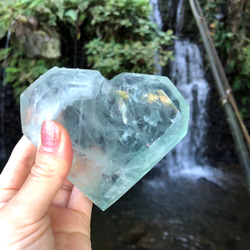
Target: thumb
[(52, 165)]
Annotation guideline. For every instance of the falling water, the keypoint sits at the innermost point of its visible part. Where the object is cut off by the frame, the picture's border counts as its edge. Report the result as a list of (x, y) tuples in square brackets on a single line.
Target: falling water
[(156, 18), (180, 17), (175, 211), (187, 72), (156, 13), (2, 99)]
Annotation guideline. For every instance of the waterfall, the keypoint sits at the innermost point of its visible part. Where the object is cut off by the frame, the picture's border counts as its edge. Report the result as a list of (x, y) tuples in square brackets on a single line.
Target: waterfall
[(156, 17), (180, 16), (187, 73)]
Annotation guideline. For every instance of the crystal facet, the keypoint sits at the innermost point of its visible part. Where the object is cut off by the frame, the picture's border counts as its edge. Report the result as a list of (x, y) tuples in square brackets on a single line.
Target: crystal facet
[(119, 128)]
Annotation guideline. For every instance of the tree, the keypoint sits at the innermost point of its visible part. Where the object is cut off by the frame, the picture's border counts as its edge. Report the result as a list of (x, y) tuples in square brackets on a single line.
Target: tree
[(117, 36)]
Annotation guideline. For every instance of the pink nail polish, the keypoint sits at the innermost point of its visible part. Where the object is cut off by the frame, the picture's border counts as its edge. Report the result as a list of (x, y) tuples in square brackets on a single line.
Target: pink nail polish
[(49, 136)]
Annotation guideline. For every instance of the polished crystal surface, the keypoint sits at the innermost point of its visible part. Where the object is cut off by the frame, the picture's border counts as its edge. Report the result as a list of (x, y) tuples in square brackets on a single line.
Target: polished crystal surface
[(120, 129)]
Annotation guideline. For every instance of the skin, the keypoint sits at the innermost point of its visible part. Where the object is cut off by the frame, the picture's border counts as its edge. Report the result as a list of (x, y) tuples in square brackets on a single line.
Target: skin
[(39, 207)]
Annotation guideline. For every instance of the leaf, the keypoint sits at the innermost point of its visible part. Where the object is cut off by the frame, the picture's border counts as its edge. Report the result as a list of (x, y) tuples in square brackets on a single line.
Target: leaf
[(4, 53), (82, 17), (71, 13), (230, 34), (60, 13), (35, 3), (169, 32)]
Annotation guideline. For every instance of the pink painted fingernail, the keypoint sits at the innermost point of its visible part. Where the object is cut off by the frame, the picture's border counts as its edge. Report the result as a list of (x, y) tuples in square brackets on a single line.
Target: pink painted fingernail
[(50, 136)]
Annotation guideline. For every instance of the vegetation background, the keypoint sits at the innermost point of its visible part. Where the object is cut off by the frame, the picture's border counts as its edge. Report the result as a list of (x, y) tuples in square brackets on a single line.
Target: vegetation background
[(114, 36)]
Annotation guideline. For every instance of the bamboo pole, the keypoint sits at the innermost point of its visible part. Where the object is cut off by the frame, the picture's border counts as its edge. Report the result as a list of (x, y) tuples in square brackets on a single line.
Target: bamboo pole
[(224, 91)]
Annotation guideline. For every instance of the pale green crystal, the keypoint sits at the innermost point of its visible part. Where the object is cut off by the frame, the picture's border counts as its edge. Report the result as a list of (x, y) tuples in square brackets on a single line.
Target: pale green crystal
[(119, 128)]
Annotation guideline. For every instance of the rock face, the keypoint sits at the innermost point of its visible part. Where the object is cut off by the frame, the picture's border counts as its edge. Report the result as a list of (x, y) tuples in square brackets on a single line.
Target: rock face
[(36, 43), (119, 128)]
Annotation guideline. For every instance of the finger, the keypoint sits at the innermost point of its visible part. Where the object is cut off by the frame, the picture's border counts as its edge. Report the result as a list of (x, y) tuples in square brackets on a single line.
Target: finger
[(61, 198), (52, 165), (70, 228), (18, 167), (79, 202)]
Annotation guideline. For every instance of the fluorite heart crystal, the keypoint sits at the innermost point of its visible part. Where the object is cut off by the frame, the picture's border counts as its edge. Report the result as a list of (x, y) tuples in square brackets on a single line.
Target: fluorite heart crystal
[(119, 128)]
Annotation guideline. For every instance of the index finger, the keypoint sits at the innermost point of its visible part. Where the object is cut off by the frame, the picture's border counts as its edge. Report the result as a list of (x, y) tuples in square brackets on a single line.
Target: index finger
[(18, 167)]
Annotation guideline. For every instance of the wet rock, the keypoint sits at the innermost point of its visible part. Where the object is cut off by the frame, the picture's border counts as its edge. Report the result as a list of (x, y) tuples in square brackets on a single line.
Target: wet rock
[(146, 243), (36, 42), (136, 233), (207, 182), (130, 247), (231, 243), (110, 245)]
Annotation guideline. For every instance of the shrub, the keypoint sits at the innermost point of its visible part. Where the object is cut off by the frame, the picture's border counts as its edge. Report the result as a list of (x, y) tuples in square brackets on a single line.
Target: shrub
[(117, 36)]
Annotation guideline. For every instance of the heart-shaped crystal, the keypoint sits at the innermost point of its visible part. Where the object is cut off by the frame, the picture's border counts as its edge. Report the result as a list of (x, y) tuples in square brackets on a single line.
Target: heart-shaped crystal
[(119, 128)]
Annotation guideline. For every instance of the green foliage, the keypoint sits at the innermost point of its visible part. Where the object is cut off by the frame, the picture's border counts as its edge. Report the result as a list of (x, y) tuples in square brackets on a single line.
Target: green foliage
[(4, 53), (48, 12), (232, 40), (23, 71), (246, 60), (112, 58), (132, 42), (116, 34)]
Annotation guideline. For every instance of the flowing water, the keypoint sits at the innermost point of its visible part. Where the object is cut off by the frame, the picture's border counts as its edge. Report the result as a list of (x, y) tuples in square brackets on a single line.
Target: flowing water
[(180, 16), (188, 74), (156, 13), (182, 203)]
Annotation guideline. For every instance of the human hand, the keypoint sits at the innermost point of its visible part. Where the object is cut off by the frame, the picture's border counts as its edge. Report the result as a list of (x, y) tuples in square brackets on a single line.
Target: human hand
[(39, 207)]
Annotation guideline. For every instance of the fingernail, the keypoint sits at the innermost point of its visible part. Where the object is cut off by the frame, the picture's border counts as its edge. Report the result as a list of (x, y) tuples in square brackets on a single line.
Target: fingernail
[(49, 136)]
